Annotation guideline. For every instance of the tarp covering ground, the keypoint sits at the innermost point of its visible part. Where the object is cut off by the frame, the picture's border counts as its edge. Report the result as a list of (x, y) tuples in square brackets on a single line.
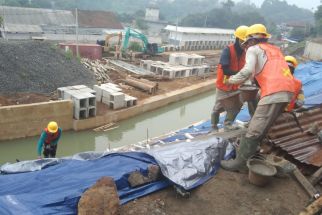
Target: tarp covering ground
[(54, 186)]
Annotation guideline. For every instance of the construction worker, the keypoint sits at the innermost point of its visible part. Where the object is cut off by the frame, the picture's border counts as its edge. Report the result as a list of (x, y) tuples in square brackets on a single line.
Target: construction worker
[(298, 97), (231, 61), (265, 63), (48, 140)]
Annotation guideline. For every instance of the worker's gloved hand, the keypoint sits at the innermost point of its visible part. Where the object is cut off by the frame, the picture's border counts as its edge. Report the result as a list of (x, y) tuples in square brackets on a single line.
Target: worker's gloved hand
[(226, 79)]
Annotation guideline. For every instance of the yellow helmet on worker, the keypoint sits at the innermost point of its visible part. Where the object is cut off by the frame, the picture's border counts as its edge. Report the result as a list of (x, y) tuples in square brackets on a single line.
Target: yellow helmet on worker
[(240, 32), (52, 127), (257, 29), (291, 60)]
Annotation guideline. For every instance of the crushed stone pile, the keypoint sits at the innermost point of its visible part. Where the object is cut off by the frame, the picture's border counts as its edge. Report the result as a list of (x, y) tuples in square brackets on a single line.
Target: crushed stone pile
[(39, 67)]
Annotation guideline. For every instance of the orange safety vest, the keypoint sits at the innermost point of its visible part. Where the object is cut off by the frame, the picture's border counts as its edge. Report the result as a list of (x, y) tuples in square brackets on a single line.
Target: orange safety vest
[(275, 75), (297, 87), (235, 64)]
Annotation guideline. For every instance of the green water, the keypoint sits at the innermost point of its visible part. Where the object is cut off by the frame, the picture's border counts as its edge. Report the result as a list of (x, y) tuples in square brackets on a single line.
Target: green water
[(158, 122)]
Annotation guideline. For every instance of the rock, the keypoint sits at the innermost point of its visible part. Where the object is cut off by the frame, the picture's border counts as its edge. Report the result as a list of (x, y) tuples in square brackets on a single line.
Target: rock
[(137, 179), (154, 172), (100, 199)]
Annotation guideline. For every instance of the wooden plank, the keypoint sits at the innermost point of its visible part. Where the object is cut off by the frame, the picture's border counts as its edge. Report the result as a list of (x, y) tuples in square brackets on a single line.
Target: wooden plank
[(305, 183), (316, 177)]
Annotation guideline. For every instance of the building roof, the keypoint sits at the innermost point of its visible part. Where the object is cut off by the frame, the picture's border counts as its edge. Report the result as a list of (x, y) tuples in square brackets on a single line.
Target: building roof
[(199, 30), (98, 19)]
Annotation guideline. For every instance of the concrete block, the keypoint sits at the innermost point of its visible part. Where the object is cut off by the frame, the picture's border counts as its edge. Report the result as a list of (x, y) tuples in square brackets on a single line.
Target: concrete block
[(87, 90), (106, 92), (78, 87), (80, 113), (60, 92), (91, 111), (129, 101), (99, 93), (111, 86), (106, 100), (80, 100)]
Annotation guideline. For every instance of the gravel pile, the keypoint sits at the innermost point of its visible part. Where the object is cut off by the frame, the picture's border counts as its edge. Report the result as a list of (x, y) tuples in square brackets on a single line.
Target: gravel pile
[(38, 67)]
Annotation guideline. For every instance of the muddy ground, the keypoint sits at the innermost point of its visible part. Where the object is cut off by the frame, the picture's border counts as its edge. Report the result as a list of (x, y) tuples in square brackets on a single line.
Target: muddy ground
[(226, 194)]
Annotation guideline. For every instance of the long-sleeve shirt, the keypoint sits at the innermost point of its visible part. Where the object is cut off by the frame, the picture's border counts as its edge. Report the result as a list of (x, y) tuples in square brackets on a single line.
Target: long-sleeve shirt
[(42, 139), (255, 61)]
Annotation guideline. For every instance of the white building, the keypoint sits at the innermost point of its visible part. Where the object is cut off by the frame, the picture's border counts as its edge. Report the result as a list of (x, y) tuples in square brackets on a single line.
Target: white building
[(152, 13), (190, 38)]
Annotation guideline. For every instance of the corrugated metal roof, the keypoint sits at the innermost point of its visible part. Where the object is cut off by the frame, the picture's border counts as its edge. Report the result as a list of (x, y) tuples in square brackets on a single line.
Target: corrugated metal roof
[(199, 30), (303, 147), (14, 28)]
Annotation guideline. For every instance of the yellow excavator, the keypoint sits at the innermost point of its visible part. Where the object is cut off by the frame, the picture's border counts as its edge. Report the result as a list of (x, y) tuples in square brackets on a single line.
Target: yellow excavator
[(106, 43)]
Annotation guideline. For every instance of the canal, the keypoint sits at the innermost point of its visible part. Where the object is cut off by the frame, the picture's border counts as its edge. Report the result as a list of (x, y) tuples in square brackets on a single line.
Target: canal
[(158, 122)]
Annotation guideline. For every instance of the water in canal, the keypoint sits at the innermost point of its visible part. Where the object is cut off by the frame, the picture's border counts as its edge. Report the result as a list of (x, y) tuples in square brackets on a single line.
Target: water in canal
[(158, 122)]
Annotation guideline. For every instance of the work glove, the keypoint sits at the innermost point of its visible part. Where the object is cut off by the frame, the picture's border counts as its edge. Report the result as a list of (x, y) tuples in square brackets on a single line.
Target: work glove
[(300, 100), (226, 79)]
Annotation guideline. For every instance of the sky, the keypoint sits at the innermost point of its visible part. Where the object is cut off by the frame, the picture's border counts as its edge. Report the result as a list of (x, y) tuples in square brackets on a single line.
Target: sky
[(308, 4)]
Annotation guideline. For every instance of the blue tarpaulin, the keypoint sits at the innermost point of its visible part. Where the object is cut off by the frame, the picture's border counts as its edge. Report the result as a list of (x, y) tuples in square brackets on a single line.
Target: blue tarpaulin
[(57, 189)]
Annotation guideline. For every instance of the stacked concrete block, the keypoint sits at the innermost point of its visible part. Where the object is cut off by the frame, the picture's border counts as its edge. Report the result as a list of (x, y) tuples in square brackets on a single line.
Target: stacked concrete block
[(83, 97), (130, 101), (116, 100), (179, 65), (111, 95)]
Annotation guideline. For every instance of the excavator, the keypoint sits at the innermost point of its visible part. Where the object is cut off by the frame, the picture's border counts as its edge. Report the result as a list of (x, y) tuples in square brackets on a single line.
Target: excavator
[(148, 48), (106, 43)]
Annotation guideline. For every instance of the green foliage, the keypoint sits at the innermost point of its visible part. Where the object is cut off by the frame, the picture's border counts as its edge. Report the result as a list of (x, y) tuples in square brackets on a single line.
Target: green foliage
[(135, 46), (280, 11), (1, 20), (222, 18), (69, 54)]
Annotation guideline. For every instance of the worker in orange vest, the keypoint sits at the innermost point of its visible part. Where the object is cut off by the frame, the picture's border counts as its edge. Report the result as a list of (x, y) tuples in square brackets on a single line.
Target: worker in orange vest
[(48, 140), (298, 97), (264, 63), (231, 61)]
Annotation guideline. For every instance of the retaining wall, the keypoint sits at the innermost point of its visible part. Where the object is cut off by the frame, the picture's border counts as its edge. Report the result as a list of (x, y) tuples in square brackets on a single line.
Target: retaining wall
[(144, 106), (19, 121)]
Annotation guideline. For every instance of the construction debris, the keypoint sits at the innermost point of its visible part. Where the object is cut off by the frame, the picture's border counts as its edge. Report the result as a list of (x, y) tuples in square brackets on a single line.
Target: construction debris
[(313, 208), (99, 69), (143, 84), (104, 127)]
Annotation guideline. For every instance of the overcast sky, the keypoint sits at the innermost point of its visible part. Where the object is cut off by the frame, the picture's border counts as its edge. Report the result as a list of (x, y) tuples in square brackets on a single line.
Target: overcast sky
[(308, 4)]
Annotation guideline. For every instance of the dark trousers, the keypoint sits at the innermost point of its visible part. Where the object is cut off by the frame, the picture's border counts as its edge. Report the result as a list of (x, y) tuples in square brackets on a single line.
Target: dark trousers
[(50, 151)]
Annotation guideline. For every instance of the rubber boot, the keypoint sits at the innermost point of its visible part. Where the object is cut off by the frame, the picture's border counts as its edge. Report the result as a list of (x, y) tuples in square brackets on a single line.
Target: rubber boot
[(229, 120), (247, 148), (215, 120)]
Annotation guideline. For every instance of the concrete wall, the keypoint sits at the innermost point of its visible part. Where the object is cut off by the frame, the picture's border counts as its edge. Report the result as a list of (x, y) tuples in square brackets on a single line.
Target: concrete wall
[(19, 121), (144, 106), (313, 51)]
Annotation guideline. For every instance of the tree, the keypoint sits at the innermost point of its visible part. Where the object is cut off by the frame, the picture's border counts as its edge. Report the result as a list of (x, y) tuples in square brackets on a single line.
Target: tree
[(318, 20)]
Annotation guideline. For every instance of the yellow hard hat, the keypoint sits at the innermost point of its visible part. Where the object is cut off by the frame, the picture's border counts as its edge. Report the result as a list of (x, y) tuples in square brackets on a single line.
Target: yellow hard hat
[(257, 29), (240, 32), (292, 60), (52, 127)]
